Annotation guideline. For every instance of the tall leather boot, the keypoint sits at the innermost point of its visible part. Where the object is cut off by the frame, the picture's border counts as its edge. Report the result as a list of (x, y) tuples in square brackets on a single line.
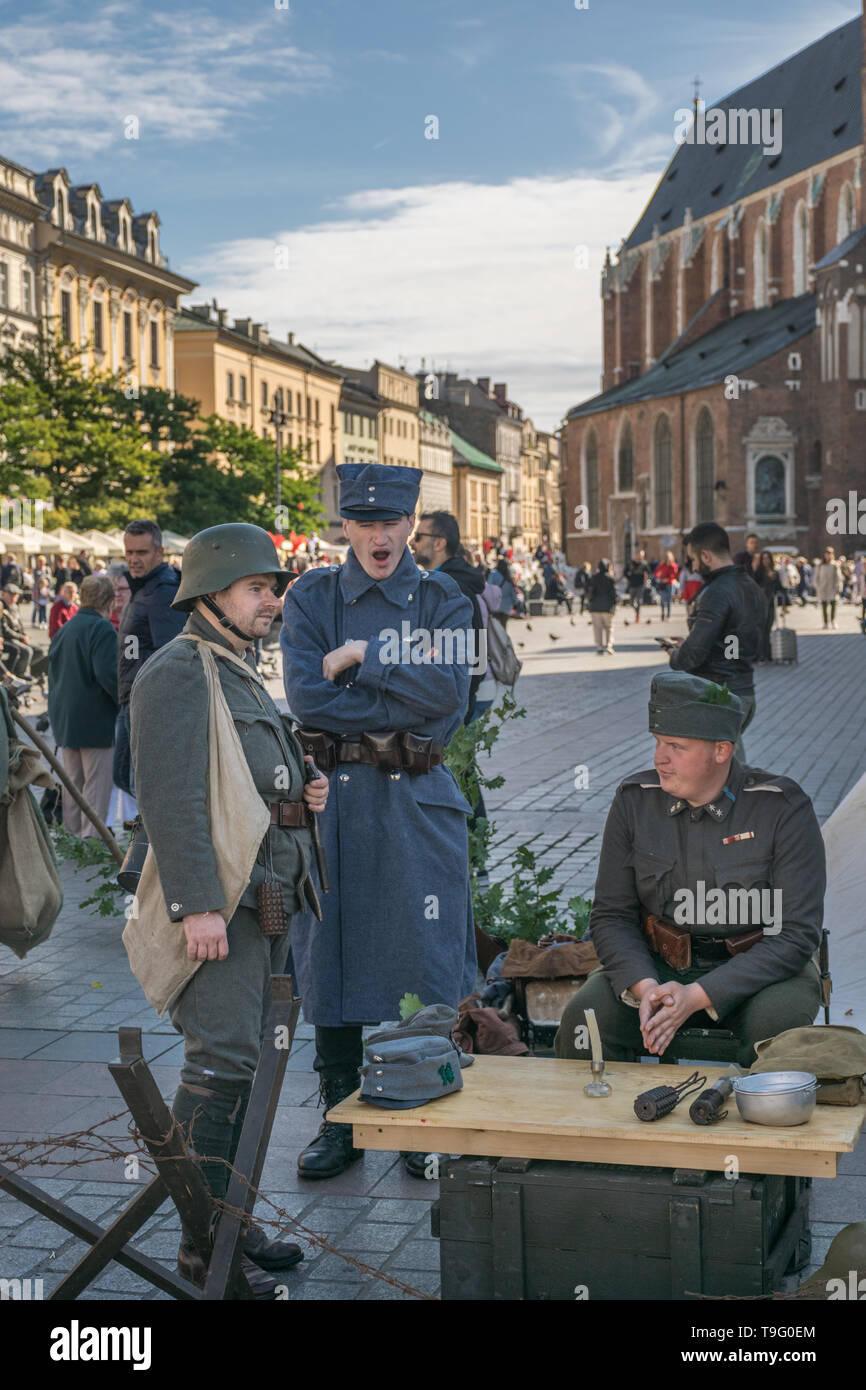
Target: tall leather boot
[(208, 1118), (331, 1152)]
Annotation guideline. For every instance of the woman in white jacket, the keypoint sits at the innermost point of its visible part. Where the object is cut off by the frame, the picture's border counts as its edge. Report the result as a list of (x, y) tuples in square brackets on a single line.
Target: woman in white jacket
[(828, 585)]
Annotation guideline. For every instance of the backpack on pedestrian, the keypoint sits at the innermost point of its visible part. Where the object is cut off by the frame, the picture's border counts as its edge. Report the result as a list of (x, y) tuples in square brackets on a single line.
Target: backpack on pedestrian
[(502, 662)]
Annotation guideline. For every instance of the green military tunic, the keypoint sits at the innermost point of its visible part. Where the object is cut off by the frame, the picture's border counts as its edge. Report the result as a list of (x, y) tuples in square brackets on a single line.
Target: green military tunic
[(665, 856), (170, 752), (222, 1009)]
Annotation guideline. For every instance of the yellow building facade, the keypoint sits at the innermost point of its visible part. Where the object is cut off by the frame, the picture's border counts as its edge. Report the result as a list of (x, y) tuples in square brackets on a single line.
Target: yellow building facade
[(236, 370), (104, 283), (399, 428)]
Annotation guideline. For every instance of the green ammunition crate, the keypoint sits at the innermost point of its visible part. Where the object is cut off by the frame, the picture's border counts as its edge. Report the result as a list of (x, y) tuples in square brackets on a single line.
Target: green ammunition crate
[(536, 1229)]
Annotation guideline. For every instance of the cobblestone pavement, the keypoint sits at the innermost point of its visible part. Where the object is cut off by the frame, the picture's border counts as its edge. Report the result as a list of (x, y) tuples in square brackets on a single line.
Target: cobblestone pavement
[(60, 1008)]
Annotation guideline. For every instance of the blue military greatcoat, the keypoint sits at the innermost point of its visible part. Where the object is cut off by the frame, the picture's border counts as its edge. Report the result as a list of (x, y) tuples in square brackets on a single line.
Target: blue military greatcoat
[(398, 917)]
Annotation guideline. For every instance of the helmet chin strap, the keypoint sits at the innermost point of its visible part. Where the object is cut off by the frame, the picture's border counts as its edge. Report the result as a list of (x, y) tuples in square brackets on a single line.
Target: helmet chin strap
[(224, 620)]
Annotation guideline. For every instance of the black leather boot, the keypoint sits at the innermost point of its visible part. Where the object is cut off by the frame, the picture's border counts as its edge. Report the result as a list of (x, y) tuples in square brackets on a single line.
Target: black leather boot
[(191, 1266), (331, 1152)]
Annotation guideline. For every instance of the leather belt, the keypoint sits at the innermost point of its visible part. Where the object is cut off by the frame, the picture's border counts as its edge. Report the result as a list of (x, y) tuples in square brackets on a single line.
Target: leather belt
[(291, 815), (675, 945), (389, 751)]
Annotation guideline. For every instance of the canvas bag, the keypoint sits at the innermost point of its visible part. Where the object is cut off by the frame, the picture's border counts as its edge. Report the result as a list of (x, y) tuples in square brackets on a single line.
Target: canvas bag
[(834, 1053), (502, 662), (30, 893), (239, 820)]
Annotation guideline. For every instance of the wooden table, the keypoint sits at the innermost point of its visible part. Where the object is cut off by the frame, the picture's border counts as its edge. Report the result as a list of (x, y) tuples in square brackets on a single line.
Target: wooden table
[(515, 1107)]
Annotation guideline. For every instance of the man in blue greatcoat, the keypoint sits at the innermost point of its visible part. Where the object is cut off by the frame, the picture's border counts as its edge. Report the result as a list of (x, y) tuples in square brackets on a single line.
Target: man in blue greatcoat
[(377, 656)]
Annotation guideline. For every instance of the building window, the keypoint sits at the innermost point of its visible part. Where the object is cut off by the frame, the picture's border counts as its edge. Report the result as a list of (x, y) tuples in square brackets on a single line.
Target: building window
[(333, 417), (705, 473), (716, 267), (770, 487), (280, 398), (801, 248), (127, 335), (4, 285), (264, 395), (98, 326), (592, 493), (760, 265), (626, 459), (243, 385), (309, 410), (317, 410), (845, 215), (27, 305), (663, 499), (66, 316), (154, 343), (317, 452), (854, 360), (230, 386), (299, 404)]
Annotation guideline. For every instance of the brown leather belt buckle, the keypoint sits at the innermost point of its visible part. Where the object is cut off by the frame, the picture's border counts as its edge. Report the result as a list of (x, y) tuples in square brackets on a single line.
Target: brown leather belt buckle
[(290, 815)]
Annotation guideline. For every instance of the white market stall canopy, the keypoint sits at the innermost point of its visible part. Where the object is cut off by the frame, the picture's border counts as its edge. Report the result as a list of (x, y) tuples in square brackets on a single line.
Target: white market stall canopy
[(70, 541), (34, 542), (173, 542), (101, 544)]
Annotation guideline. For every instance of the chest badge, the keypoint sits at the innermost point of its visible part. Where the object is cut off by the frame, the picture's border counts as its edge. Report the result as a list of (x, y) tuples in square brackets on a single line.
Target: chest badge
[(735, 839)]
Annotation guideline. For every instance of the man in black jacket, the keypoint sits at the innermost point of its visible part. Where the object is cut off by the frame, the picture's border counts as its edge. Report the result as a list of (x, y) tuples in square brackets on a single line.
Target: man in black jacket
[(148, 622), (436, 546), (725, 628)]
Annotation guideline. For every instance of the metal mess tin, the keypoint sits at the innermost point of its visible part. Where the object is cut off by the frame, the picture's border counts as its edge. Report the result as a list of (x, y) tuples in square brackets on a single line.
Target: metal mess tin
[(776, 1097)]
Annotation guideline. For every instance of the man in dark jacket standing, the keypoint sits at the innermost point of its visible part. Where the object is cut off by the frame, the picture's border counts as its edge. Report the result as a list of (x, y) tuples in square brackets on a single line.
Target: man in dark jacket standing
[(148, 622), (436, 546), (724, 638), (82, 700)]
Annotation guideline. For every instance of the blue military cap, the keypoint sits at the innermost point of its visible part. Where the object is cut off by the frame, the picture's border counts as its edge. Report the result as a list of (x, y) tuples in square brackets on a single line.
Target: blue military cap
[(402, 1073), (686, 706), (377, 491), (433, 1019)]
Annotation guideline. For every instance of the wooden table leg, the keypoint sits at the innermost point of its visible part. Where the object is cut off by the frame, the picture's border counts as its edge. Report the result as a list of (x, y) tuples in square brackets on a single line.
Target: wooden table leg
[(255, 1137)]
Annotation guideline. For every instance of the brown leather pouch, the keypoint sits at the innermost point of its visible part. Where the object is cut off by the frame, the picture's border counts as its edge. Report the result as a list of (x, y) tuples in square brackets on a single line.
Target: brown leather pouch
[(671, 943), (321, 746), (417, 752), (386, 748), (735, 945)]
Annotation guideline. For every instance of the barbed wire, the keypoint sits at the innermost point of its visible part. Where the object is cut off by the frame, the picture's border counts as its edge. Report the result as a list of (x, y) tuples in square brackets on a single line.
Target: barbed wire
[(21, 1153)]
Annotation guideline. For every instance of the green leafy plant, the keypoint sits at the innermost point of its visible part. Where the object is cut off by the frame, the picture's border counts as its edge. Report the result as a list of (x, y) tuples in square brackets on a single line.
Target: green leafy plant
[(107, 898), (529, 909)]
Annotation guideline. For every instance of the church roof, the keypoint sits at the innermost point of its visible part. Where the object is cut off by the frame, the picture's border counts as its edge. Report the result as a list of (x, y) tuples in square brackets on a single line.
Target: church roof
[(818, 91), (730, 349)]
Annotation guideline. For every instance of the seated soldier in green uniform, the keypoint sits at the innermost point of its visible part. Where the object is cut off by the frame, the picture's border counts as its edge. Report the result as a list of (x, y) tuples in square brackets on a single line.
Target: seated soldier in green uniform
[(709, 898)]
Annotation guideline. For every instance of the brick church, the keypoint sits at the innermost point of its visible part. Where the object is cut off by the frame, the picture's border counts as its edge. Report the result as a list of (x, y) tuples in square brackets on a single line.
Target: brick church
[(734, 315)]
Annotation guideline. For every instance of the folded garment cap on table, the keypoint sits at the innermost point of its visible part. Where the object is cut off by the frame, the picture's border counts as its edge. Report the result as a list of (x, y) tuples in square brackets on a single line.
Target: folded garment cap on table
[(402, 1073), (434, 1020)]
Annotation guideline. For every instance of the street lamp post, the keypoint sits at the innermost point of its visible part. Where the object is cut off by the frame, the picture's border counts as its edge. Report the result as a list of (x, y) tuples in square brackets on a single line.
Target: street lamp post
[(278, 418)]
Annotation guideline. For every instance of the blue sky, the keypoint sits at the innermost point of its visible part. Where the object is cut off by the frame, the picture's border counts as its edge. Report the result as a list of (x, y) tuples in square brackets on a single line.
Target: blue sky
[(263, 127)]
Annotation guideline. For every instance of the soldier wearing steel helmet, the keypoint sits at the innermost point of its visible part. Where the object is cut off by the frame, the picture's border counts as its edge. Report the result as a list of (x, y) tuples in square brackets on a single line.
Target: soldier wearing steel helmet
[(231, 587)]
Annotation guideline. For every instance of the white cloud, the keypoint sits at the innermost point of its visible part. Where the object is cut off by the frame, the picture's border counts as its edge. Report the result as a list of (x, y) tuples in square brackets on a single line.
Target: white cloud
[(478, 278), (66, 86)]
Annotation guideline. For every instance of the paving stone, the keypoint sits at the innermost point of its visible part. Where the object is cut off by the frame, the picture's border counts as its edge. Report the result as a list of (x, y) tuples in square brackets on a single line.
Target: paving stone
[(370, 1235), (391, 1209), (418, 1254)]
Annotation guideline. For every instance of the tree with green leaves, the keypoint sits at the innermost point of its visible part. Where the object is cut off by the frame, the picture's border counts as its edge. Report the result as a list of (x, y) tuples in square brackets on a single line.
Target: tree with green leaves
[(226, 472), (64, 436)]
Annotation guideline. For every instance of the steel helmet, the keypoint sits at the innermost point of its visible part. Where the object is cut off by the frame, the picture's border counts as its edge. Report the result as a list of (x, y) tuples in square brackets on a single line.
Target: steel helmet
[(216, 557)]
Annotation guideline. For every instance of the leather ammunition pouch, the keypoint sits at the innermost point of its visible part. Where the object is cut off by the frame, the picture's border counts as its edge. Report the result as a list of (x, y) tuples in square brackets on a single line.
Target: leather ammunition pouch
[(387, 750), (675, 945)]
